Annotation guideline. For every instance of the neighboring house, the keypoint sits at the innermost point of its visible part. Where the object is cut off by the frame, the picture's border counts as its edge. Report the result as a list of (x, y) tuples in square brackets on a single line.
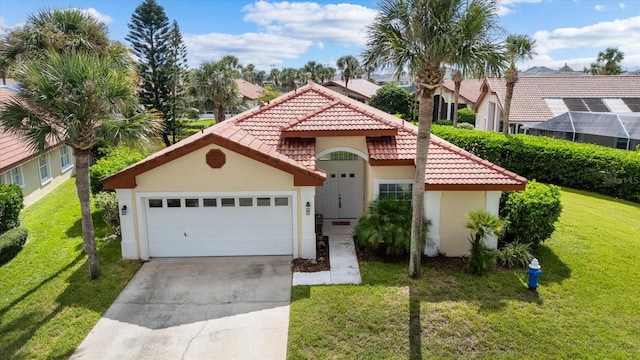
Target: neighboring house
[(545, 71), (617, 130), (36, 173), (541, 98), (469, 94), (253, 184), (251, 93), (405, 81), (358, 89)]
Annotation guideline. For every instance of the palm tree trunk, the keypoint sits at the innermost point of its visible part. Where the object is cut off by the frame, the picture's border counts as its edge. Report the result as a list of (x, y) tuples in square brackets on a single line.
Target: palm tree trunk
[(456, 96), (425, 113), (82, 158), (507, 106), (219, 113)]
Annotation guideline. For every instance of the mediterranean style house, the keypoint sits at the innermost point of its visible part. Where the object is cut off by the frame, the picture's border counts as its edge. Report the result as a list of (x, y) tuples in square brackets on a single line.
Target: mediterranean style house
[(253, 184)]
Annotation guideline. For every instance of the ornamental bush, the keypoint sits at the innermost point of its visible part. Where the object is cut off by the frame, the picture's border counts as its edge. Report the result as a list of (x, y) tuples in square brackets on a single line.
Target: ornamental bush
[(108, 203), (387, 226), (531, 214), (466, 115), (580, 166), (116, 159), (11, 202), (515, 255), (11, 243), (392, 99), (466, 126)]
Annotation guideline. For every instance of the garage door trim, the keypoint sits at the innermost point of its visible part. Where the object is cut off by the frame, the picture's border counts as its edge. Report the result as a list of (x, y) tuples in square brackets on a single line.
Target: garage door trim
[(142, 214)]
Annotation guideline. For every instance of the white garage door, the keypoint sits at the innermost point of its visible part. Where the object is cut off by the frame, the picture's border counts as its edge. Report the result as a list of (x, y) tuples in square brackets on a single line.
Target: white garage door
[(219, 225)]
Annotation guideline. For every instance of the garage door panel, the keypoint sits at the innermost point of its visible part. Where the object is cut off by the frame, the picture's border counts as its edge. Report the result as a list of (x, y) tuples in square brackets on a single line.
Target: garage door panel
[(220, 231)]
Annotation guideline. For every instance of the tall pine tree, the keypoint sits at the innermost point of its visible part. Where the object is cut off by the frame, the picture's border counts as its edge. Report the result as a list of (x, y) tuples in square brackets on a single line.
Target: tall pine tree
[(152, 40), (177, 78)]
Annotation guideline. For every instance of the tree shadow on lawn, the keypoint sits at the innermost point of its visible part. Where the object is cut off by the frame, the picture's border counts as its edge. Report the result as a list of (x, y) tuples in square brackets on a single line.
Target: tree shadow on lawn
[(80, 291), (99, 227), (448, 280)]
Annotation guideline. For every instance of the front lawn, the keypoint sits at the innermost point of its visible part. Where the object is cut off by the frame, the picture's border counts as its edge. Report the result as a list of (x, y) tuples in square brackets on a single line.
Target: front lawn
[(587, 305), (47, 302)]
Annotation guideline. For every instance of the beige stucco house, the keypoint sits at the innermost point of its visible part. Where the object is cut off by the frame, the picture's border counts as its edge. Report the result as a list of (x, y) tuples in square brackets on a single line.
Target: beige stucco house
[(36, 173), (445, 97), (357, 89), (540, 98), (252, 185)]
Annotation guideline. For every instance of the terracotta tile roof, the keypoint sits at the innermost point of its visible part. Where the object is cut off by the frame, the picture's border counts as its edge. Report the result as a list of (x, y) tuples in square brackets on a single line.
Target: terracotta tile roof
[(260, 133), (338, 117), (361, 86), (528, 102), (470, 89), (13, 150), (249, 90)]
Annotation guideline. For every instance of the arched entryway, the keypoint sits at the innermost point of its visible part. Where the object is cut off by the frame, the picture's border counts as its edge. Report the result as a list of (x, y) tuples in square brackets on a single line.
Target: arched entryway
[(342, 194)]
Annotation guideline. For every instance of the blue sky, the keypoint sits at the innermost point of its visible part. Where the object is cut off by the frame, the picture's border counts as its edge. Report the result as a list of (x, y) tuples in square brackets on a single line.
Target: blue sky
[(282, 34)]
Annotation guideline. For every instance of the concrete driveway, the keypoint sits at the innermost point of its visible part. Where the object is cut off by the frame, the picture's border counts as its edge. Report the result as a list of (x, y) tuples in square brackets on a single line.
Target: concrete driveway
[(198, 308)]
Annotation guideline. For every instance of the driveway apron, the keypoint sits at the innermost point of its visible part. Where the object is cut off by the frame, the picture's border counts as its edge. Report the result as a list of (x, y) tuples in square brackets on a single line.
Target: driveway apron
[(198, 308)]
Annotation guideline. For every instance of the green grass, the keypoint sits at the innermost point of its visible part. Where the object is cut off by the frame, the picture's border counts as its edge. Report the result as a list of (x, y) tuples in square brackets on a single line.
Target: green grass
[(47, 302), (205, 123), (586, 308)]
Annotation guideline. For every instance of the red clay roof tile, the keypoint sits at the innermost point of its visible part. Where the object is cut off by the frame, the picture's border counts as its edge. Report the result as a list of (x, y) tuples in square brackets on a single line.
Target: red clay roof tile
[(314, 108)]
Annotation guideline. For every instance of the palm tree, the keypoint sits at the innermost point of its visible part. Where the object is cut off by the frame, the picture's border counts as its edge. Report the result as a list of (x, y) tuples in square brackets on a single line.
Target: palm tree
[(290, 78), (421, 36), (350, 68), (482, 224), (213, 84), (477, 29), (327, 73), (65, 97), (313, 69), (518, 47), (274, 76), (607, 63), (58, 29)]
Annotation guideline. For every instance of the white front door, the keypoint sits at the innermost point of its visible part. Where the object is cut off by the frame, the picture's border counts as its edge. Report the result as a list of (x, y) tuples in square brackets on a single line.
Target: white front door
[(341, 197)]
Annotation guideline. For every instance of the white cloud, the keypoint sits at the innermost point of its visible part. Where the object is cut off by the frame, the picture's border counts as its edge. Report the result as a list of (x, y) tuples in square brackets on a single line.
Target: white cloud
[(600, 7), (96, 15), (342, 24), (622, 5), (616, 33), (320, 45), (506, 7), (262, 50), (623, 34)]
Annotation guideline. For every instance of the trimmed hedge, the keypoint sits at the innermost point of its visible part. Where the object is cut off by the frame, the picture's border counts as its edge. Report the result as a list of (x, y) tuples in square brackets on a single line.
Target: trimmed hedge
[(117, 159), (11, 243), (11, 202), (587, 167)]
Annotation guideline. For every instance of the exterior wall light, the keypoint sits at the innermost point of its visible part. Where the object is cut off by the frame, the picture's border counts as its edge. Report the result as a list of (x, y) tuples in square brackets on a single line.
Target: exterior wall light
[(123, 210)]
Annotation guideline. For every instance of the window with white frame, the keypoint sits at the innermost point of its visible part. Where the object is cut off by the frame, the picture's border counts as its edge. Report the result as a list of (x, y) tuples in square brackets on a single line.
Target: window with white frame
[(16, 176), (398, 189), (45, 169), (65, 158), (3, 179)]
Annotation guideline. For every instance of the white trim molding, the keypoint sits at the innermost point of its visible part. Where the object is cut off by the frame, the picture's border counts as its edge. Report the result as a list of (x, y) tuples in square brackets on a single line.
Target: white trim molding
[(127, 227), (342, 148), (432, 212), (307, 249), (492, 207)]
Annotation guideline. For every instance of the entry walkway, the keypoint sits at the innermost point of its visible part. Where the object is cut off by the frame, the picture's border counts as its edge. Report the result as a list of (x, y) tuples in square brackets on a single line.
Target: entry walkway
[(342, 256)]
